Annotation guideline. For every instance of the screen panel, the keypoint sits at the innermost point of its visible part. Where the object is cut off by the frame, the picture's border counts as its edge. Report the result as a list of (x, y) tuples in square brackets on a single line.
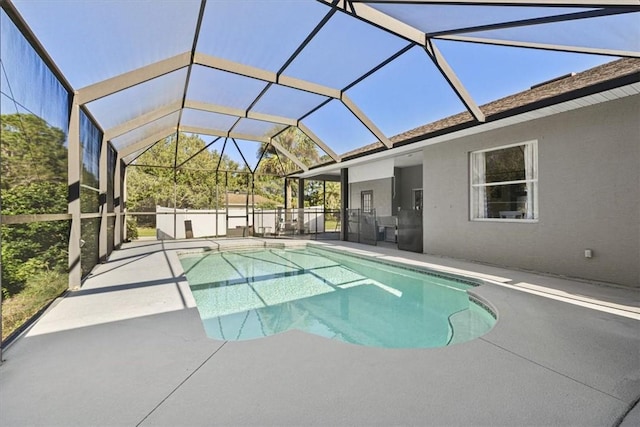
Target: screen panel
[(287, 102), (617, 32), (342, 51), (339, 128), (492, 72), (257, 128), (436, 18), (151, 128), (26, 83), (262, 34), (223, 88), (206, 119), (405, 94), (120, 107), (95, 40)]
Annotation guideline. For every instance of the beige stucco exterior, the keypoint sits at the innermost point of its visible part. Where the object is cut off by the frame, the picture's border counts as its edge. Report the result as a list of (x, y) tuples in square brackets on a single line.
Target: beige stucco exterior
[(589, 196)]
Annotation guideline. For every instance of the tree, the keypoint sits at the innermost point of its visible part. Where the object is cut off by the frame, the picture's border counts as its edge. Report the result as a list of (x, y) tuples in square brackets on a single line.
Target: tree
[(33, 181), (31, 151), (271, 187), (332, 195), (275, 163), (319, 193), (313, 193), (154, 181), (294, 141)]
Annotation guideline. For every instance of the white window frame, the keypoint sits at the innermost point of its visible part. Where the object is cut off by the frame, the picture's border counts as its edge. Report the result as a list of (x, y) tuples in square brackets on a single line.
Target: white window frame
[(531, 180), (364, 193)]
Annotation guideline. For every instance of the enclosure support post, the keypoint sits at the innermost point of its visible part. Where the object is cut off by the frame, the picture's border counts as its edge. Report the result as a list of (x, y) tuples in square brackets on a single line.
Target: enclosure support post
[(301, 192), (123, 203), (175, 189), (0, 286), (246, 207), (300, 205), (74, 167), (286, 195), (253, 203), (344, 203), (324, 208), (226, 203), (102, 197), (117, 202), (217, 202), (324, 195)]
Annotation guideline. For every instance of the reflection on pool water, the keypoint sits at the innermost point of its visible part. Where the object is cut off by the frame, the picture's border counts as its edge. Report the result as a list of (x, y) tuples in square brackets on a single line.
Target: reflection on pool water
[(248, 294)]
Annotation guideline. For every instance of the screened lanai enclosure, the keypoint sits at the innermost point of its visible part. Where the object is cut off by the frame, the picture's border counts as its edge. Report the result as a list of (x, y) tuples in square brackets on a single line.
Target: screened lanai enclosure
[(195, 118)]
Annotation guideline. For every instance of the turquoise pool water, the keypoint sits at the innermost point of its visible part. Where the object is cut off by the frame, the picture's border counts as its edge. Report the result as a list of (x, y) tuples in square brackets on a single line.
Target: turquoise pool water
[(250, 294)]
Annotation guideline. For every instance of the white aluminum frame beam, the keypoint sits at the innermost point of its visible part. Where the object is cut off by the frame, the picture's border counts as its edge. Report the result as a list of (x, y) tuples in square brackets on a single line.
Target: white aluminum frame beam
[(133, 156), (541, 3), (118, 202), (365, 120), (414, 35), (143, 143), (126, 80), (74, 167), (234, 135), (292, 82), (542, 46), (132, 78), (454, 82), (142, 120), (194, 45), (290, 156), (223, 133), (312, 136), (538, 20), (264, 75), (236, 112), (384, 21)]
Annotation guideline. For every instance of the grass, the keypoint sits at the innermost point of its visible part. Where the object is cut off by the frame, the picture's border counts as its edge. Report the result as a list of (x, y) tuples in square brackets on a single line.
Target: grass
[(330, 224), (38, 292), (146, 232)]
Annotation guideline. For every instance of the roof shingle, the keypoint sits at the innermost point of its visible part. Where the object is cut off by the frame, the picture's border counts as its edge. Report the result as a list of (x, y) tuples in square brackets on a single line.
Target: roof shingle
[(513, 104)]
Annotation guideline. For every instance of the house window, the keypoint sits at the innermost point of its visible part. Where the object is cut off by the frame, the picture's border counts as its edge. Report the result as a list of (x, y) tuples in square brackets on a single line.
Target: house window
[(504, 183), (417, 199), (366, 201)]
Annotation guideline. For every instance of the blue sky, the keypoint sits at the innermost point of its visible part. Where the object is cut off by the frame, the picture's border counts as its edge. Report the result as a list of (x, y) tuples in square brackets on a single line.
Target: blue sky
[(94, 40)]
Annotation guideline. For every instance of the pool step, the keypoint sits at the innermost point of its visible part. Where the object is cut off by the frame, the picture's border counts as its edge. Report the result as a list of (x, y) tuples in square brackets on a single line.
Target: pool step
[(468, 324)]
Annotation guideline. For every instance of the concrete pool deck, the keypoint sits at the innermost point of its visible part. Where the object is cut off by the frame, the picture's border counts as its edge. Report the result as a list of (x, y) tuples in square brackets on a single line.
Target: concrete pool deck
[(129, 349)]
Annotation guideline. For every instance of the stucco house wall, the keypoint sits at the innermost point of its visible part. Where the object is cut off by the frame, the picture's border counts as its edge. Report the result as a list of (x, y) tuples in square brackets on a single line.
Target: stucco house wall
[(382, 194), (589, 196)]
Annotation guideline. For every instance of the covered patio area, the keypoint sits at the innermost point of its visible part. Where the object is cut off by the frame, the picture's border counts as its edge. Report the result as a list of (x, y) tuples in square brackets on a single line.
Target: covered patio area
[(129, 348)]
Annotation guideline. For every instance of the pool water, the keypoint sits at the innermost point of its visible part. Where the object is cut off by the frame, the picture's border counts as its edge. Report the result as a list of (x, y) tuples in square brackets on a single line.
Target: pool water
[(249, 294)]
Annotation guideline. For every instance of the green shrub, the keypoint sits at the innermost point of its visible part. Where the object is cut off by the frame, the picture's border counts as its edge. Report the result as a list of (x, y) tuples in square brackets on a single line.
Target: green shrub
[(132, 228), (29, 248)]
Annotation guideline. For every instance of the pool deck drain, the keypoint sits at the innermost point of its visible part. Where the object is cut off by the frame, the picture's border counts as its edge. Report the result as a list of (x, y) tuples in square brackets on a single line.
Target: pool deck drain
[(129, 349)]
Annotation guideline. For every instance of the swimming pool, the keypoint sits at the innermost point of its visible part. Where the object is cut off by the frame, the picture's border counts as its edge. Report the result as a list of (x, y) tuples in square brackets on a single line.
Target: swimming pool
[(252, 293)]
